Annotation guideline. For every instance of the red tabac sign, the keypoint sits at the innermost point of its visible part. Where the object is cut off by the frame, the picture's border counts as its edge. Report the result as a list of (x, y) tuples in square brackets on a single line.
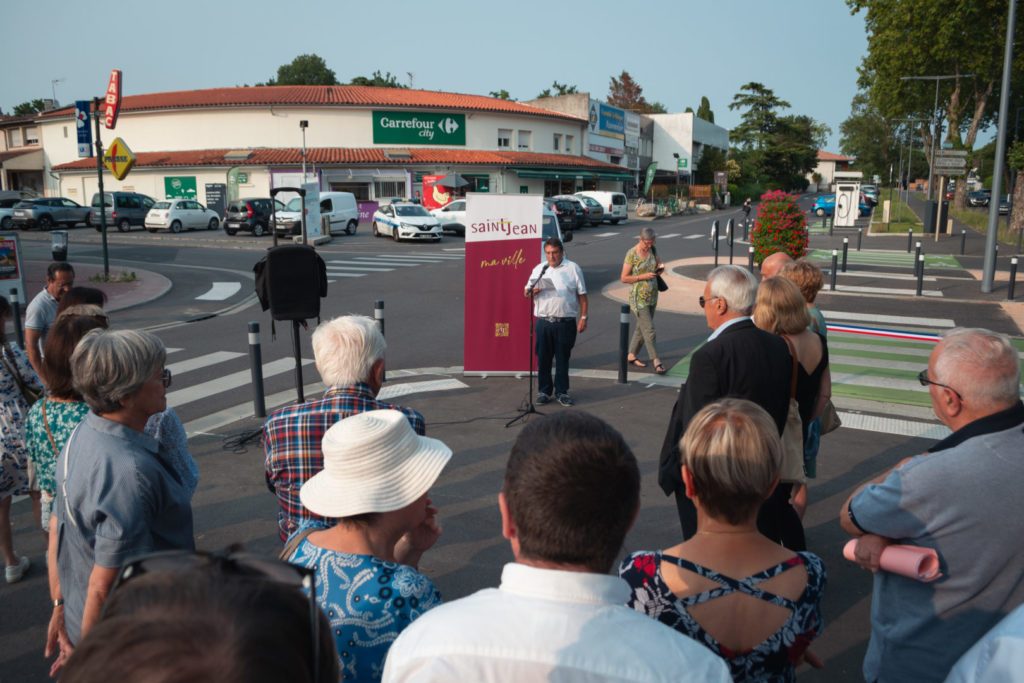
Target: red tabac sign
[(113, 99)]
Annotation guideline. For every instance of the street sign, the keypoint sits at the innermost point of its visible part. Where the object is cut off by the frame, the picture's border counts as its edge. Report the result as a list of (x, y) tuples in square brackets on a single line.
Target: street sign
[(951, 172), (951, 153), (118, 159), (84, 129), (113, 100), (682, 164), (950, 162)]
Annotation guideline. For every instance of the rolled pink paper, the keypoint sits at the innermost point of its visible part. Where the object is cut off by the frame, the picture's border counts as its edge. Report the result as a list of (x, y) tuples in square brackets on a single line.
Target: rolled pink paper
[(910, 561)]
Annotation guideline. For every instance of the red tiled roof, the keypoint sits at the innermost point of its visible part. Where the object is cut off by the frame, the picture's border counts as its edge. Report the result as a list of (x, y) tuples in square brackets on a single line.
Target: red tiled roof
[(831, 156), (321, 95), (335, 156)]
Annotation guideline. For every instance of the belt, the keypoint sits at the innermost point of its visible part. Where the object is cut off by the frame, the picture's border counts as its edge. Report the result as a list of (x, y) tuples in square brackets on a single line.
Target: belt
[(552, 319)]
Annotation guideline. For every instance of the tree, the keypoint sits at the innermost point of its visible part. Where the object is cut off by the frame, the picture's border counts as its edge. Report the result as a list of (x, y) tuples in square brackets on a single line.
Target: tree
[(304, 70), (759, 120), (557, 89), (378, 80), (711, 159), (688, 110), (870, 137), (792, 151), (625, 93), (1015, 161), (30, 107), (704, 110), (501, 95)]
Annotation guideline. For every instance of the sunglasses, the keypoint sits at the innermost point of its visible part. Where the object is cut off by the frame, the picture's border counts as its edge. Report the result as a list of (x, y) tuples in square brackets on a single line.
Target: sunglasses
[(165, 377), (234, 563), (702, 301), (922, 377)]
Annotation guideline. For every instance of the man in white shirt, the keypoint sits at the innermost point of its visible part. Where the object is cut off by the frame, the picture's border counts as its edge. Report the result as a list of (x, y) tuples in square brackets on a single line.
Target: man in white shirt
[(559, 296), (42, 310), (571, 492)]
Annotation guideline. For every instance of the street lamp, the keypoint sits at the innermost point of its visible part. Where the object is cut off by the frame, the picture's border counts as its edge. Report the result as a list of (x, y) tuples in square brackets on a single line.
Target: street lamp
[(676, 155), (53, 89), (303, 124)]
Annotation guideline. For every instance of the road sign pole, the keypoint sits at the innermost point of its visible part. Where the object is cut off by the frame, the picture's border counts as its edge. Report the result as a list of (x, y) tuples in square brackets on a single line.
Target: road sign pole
[(103, 197)]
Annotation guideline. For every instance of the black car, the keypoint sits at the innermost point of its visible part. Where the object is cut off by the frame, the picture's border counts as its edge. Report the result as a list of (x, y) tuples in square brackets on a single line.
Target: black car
[(252, 215), (592, 211), (979, 197), (570, 216)]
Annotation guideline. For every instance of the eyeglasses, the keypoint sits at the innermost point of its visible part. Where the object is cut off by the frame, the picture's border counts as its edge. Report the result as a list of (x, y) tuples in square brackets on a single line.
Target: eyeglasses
[(233, 563), (703, 301), (165, 377), (922, 377)]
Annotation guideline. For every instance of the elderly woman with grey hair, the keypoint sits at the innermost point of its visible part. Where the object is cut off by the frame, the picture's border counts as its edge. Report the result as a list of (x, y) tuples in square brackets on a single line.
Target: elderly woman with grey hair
[(641, 269), (118, 494)]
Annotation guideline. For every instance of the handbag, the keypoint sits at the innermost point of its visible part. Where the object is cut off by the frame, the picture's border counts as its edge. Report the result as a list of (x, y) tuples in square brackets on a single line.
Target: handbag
[(792, 470), (662, 285), (30, 394), (830, 418)]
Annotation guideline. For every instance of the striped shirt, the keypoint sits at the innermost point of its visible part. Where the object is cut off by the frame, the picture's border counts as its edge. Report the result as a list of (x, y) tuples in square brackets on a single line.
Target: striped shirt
[(291, 439)]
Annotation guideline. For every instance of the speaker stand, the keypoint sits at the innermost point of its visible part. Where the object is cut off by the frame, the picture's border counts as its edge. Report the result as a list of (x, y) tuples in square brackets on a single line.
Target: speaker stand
[(298, 361)]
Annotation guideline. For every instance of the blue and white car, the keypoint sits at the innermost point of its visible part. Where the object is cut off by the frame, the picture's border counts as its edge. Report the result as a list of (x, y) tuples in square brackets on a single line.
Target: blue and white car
[(406, 221), (825, 205)]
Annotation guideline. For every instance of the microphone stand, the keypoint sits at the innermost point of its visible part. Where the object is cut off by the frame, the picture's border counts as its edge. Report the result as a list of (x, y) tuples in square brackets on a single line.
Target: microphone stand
[(530, 408)]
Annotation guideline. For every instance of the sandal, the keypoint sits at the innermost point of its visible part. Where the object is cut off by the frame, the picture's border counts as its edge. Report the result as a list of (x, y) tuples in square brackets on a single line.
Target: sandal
[(636, 362), (659, 369)]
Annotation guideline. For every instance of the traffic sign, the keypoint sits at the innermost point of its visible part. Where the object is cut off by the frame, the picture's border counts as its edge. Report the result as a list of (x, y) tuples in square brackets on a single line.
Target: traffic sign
[(118, 159), (950, 162), (84, 129), (951, 153)]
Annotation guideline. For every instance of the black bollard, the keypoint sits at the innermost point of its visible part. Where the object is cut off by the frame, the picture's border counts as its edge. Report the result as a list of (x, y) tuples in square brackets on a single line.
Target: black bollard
[(920, 274), (846, 248), (19, 333), (835, 266), (963, 241), (259, 403), (860, 237), (378, 316), (917, 255), (729, 228), (746, 230), (1013, 278), (831, 224), (623, 341), (714, 240), (910, 238), (750, 259)]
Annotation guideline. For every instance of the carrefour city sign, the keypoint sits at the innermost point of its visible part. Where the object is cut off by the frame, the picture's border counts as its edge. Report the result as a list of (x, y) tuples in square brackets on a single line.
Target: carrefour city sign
[(418, 128)]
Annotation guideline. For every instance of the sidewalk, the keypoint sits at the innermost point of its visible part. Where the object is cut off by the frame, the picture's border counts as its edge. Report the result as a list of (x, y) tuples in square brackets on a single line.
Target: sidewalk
[(146, 286)]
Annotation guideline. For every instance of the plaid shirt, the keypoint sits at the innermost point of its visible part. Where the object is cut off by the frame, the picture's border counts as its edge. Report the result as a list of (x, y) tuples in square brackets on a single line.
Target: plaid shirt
[(292, 436)]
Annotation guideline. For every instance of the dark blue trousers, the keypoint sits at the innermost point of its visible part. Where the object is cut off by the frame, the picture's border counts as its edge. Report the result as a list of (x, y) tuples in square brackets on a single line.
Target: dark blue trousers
[(554, 342)]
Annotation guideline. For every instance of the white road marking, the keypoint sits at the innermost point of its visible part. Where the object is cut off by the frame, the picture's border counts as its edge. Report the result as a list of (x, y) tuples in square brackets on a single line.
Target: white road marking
[(346, 265), (455, 249), (203, 361), (174, 349), (228, 382), (882, 276), (422, 257), (606, 234), (693, 237), (220, 291), (894, 319), (340, 274), (668, 236), (891, 425), (856, 289)]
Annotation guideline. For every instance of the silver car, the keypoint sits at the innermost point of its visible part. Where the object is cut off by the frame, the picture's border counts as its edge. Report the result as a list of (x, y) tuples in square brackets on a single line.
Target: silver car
[(49, 212)]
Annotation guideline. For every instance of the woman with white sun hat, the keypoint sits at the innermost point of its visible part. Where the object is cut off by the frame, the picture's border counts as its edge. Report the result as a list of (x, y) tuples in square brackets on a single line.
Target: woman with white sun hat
[(376, 478)]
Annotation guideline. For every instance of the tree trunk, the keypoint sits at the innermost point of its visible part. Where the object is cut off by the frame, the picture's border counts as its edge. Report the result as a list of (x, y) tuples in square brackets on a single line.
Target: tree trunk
[(1017, 217), (980, 102)]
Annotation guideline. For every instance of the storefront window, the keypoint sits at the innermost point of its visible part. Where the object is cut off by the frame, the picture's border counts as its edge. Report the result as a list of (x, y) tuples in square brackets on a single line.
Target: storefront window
[(388, 188), (360, 190)]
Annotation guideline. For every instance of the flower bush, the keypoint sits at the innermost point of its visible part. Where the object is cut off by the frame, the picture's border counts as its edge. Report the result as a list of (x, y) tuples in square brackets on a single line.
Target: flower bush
[(780, 226)]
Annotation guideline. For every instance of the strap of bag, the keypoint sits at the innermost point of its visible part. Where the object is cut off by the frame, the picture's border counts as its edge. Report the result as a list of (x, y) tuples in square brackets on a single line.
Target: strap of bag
[(64, 484), (49, 434), (294, 542), (792, 381)]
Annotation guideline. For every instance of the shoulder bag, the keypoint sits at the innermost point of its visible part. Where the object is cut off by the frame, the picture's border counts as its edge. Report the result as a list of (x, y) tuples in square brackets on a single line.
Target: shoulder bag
[(792, 470), (662, 285), (30, 394)]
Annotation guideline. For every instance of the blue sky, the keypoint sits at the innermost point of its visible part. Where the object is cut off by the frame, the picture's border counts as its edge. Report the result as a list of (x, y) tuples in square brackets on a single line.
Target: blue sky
[(807, 51)]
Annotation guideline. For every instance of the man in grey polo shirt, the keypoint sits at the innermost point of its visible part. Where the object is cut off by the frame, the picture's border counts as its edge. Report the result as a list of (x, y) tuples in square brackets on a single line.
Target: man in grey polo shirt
[(961, 498), (42, 310)]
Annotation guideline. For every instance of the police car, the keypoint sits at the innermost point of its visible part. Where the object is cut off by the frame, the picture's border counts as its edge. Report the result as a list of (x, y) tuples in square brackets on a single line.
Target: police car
[(406, 221)]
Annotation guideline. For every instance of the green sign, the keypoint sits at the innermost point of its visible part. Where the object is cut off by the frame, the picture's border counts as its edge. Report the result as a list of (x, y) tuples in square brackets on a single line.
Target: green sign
[(651, 169), (418, 128), (682, 163), (243, 178), (183, 187)]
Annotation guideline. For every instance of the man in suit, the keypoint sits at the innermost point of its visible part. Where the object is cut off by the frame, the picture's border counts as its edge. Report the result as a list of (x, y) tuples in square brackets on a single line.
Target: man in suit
[(737, 361)]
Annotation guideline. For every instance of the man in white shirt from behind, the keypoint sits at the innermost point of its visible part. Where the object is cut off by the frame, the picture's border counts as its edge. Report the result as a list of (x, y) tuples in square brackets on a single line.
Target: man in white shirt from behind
[(571, 492)]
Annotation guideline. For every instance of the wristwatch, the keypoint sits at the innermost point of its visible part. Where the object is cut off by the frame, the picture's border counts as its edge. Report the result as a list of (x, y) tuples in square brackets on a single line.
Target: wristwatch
[(583, 317), (59, 602)]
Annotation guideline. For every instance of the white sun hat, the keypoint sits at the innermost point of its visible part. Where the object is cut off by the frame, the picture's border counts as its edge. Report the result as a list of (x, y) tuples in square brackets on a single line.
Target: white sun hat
[(373, 462)]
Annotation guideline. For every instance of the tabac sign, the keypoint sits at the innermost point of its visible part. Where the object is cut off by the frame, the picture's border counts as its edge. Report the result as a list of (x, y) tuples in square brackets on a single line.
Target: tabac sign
[(112, 100), (418, 128), (118, 159)]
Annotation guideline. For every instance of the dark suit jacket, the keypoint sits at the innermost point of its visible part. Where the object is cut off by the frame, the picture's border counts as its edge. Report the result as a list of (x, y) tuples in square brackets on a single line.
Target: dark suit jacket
[(742, 362)]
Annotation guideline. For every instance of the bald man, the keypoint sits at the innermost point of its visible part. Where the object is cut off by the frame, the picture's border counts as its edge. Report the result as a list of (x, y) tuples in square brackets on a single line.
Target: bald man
[(773, 263)]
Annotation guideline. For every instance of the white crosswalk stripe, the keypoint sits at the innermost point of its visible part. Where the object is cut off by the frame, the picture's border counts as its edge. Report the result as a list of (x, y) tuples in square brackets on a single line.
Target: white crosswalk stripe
[(359, 266), (606, 234), (693, 237), (668, 236)]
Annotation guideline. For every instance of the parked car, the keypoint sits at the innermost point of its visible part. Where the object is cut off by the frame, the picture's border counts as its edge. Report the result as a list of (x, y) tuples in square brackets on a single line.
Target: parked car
[(825, 205), (570, 214), (123, 209), (870, 193), (341, 211), (289, 219), (48, 212), (251, 215), (979, 198), (178, 214), (452, 217), (406, 220), (7, 205), (593, 213), (1004, 205), (613, 203)]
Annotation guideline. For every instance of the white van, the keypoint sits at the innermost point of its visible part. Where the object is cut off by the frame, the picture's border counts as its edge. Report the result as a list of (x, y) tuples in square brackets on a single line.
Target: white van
[(613, 203), (341, 211)]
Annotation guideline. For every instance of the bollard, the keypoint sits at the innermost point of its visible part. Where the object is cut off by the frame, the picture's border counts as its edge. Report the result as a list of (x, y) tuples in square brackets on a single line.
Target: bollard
[(714, 240), (860, 237), (746, 230), (378, 316), (835, 264), (917, 255), (259, 404), (1013, 278), (963, 241), (910, 238), (729, 227), (750, 259), (623, 341), (19, 333), (920, 274), (846, 248), (831, 224)]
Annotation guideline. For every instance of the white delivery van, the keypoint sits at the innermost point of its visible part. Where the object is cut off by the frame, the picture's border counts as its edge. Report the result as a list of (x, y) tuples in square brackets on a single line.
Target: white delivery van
[(613, 203), (341, 212)]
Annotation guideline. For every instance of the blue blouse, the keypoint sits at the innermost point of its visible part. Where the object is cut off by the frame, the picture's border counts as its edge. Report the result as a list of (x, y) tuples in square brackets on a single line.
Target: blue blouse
[(368, 602)]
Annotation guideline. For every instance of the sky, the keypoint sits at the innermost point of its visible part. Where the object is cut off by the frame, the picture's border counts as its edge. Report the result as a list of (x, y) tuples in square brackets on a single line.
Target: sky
[(807, 51)]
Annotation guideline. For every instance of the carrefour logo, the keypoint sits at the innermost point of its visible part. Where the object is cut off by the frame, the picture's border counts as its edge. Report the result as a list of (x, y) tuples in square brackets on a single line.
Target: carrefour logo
[(449, 125)]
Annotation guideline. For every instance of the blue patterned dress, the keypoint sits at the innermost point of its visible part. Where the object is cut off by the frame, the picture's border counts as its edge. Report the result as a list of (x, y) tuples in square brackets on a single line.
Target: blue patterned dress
[(368, 602), (13, 410), (776, 657)]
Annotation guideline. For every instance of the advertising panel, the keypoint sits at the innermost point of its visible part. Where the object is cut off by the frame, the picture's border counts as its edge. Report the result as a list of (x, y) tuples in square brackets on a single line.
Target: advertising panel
[(434, 196), (366, 210), (82, 120), (216, 195), (11, 273), (607, 121), (503, 233), (418, 128), (183, 187), (312, 206), (112, 100)]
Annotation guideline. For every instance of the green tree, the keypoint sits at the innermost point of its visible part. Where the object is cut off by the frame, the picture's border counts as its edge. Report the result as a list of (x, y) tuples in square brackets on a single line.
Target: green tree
[(711, 159), (688, 110), (378, 80), (870, 137), (501, 94), (625, 93), (557, 89), (308, 69), (792, 151), (704, 110), (760, 117), (30, 107)]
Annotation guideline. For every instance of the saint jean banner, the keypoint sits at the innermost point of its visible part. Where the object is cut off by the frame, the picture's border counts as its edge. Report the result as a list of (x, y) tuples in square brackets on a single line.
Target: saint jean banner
[(503, 238)]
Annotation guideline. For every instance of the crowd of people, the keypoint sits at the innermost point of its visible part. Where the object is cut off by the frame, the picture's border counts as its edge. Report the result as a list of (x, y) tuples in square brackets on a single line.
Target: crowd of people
[(89, 438)]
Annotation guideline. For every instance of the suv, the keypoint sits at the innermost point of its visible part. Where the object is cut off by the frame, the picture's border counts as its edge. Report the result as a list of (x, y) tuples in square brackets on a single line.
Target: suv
[(251, 215), (48, 212), (570, 214), (129, 208), (588, 209)]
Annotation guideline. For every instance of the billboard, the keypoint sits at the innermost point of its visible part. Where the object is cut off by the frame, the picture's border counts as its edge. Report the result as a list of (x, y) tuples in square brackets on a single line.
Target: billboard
[(607, 121), (180, 187), (418, 128)]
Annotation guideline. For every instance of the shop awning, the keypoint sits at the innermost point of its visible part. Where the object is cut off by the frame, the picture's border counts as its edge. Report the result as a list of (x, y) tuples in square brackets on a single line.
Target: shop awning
[(572, 173)]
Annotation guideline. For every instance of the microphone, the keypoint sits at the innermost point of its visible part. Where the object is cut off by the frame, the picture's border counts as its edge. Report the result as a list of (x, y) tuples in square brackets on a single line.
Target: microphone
[(542, 271)]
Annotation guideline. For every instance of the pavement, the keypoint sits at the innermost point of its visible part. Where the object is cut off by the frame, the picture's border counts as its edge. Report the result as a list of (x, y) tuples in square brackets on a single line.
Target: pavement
[(144, 287)]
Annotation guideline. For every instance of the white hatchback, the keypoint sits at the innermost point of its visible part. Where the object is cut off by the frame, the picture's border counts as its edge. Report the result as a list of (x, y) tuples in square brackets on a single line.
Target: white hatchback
[(452, 216), (178, 214), (402, 221)]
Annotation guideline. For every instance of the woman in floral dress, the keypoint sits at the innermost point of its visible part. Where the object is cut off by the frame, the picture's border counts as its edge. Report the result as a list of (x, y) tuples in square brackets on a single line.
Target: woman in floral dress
[(748, 599), (15, 372), (641, 269)]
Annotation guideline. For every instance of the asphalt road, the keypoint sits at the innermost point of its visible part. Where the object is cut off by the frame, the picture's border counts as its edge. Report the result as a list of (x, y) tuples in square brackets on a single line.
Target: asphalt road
[(423, 304)]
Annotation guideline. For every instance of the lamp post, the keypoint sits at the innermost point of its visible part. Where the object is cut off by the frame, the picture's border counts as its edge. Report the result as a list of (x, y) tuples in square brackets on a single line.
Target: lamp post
[(303, 125), (676, 155), (53, 89)]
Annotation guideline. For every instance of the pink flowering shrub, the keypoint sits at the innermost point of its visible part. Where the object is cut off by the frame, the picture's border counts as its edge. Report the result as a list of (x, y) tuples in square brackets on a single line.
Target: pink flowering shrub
[(780, 226)]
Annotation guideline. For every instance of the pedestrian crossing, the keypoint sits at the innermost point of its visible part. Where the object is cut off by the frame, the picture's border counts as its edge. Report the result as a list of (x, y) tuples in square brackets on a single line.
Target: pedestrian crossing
[(361, 266), (887, 258)]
